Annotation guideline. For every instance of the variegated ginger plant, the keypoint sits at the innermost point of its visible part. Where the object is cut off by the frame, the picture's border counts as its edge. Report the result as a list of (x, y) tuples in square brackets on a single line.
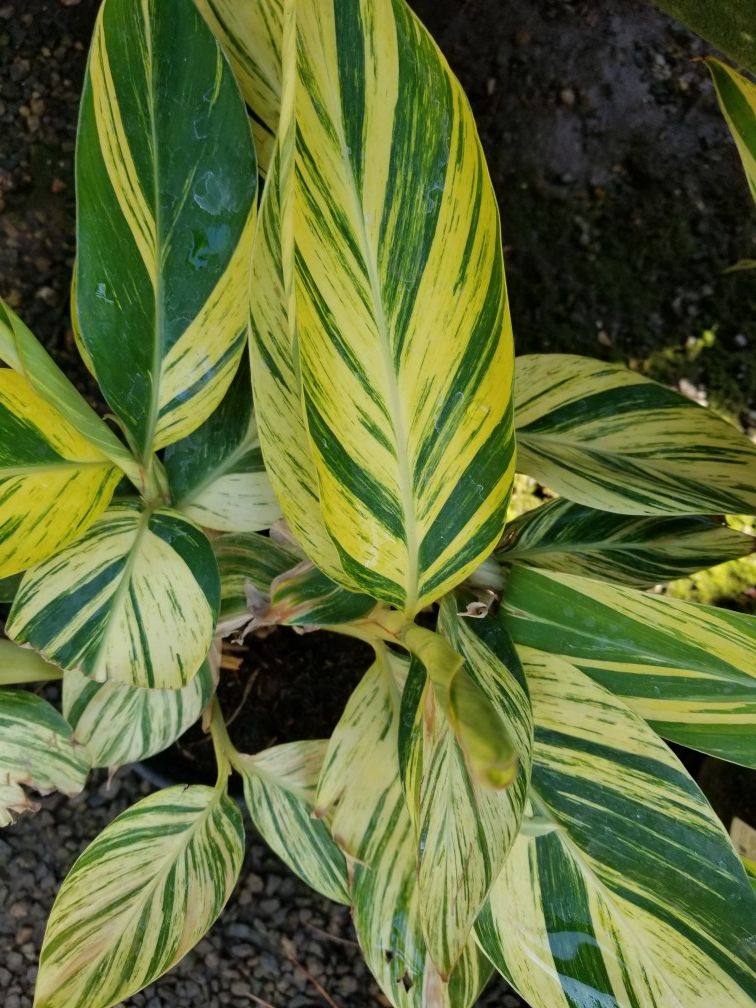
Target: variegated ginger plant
[(497, 794)]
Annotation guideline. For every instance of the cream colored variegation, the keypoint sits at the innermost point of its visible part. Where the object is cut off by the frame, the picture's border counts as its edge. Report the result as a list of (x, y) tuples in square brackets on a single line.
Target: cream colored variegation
[(125, 602), (250, 32), (37, 752), (361, 799), (235, 502), (402, 323), (635, 896), (279, 786), (604, 436), (120, 724), (140, 897), (53, 482)]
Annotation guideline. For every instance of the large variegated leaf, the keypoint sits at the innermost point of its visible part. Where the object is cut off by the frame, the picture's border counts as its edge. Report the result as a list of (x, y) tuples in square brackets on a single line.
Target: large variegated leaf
[(22, 665), (608, 438), (463, 828), (216, 474), (38, 751), (737, 99), (361, 797), (562, 536), (166, 186), (279, 788), (140, 897), (631, 895), (244, 560), (250, 32), (401, 311), (276, 377), (690, 670), (729, 24), (20, 350), (122, 724), (53, 482), (134, 600)]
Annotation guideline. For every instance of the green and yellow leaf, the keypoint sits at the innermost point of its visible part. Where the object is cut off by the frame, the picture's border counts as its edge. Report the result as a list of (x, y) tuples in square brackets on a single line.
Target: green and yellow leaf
[(166, 209), (634, 895), (305, 596), (134, 601), (121, 724), (690, 670), (603, 436), (37, 751), (463, 828), (402, 320), (247, 559), (637, 551), (251, 35), (53, 482), (143, 893), (20, 665), (23, 352), (360, 795), (737, 99), (279, 788), (216, 474)]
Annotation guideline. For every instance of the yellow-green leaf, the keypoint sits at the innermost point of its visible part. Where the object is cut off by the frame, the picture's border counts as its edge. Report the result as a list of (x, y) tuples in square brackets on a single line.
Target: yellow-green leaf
[(637, 551), (360, 795), (631, 893), (53, 482), (250, 33), (143, 893), (134, 600), (166, 185), (121, 724), (20, 665), (402, 321), (690, 670), (737, 99), (216, 474), (37, 751), (603, 436), (463, 827), (279, 787)]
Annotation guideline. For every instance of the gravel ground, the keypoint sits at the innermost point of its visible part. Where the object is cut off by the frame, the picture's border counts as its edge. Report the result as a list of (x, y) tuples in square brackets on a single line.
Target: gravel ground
[(277, 944)]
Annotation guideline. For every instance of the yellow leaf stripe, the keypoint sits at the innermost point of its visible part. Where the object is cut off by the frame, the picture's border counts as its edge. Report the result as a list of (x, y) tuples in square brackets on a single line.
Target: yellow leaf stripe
[(53, 482), (168, 189), (401, 311), (119, 724), (688, 669), (737, 99), (140, 897), (134, 600), (251, 34), (38, 751), (632, 894), (279, 788), (361, 798), (601, 435)]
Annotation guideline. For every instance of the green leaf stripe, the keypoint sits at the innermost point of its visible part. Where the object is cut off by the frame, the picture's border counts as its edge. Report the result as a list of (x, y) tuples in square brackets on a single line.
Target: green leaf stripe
[(279, 788), (690, 670), (635, 896), (737, 99), (641, 552), (166, 208), (121, 724), (38, 751), (134, 600), (143, 893), (601, 435)]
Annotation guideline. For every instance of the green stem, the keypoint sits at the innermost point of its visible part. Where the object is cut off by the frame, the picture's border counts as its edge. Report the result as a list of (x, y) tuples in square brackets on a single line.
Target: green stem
[(225, 753)]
